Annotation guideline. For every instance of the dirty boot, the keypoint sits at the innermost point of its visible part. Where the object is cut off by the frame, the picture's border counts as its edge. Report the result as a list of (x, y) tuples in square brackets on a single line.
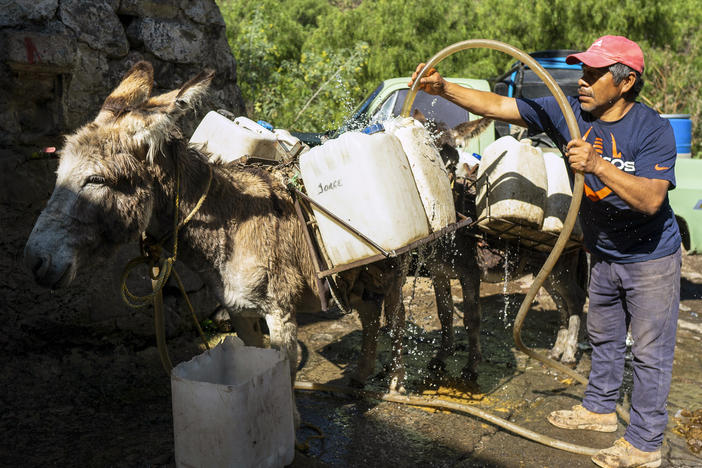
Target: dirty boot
[(580, 418), (624, 455)]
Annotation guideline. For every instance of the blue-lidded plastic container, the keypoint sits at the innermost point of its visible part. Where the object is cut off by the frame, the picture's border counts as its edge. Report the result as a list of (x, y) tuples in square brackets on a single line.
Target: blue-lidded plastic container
[(682, 128)]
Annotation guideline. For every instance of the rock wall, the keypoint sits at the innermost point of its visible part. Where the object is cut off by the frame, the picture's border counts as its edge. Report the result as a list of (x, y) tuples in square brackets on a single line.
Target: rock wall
[(59, 59)]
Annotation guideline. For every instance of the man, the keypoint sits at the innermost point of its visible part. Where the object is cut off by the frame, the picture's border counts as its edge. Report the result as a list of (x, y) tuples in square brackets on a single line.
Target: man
[(627, 153)]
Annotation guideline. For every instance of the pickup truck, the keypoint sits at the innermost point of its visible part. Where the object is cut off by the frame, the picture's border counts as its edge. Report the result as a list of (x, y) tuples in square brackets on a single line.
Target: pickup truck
[(386, 101), (686, 200)]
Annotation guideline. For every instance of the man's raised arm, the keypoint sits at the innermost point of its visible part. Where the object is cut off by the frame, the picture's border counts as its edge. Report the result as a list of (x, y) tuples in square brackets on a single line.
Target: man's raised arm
[(482, 103)]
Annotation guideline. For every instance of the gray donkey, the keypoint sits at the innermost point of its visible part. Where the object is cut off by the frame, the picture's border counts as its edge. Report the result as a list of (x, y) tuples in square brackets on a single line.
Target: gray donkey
[(116, 179)]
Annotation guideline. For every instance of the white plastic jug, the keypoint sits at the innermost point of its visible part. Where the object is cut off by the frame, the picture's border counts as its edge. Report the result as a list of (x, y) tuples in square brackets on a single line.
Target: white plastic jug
[(229, 140), (558, 196), (232, 407), (428, 169), (511, 186), (365, 180)]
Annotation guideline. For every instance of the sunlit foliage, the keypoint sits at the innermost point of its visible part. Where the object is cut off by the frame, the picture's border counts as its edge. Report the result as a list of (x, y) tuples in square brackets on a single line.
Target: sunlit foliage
[(305, 64)]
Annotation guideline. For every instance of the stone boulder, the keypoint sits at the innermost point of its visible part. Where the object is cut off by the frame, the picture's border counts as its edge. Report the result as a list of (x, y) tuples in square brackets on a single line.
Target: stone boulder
[(58, 61)]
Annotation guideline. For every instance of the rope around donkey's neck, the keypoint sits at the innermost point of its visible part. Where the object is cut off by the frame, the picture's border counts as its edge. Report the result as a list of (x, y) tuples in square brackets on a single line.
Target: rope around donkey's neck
[(160, 270)]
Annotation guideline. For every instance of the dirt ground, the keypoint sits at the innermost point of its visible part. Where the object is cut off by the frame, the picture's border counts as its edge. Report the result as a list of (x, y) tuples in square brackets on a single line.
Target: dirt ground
[(77, 398)]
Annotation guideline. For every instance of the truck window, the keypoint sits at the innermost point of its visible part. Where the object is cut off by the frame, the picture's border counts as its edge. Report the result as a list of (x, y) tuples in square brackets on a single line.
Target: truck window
[(435, 108)]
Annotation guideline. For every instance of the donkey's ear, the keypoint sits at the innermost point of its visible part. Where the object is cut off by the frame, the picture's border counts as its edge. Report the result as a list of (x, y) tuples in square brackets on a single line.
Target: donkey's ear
[(158, 116), (176, 102), (471, 129), (417, 115), (133, 90)]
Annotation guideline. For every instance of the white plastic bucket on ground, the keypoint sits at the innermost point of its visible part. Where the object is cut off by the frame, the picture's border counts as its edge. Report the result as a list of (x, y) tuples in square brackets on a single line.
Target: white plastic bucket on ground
[(428, 169), (229, 140), (366, 181), (512, 186), (232, 407)]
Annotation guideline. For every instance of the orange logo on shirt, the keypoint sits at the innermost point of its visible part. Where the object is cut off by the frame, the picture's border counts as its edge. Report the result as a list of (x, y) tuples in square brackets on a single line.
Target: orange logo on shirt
[(599, 195), (660, 168), (615, 153), (592, 195), (615, 159)]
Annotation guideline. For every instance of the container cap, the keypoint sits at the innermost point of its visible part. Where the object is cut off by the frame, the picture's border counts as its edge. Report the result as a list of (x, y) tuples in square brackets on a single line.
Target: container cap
[(265, 124), (374, 128)]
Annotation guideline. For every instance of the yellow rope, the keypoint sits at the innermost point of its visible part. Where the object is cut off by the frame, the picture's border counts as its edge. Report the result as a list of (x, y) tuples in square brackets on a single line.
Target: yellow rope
[(191, 308), (151, 256), (199, 202), (305, 446)]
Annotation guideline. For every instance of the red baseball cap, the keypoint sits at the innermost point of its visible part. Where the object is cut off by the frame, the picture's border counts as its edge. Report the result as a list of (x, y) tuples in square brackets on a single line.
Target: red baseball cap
[(609, 50)]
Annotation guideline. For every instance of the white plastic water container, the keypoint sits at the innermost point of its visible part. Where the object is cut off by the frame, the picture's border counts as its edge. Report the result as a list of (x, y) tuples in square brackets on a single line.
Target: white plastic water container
[(559, 195), (428, 169), (285, 137), (366, 181), (229, 140), (465, 157), (232, 407), (512, 187)]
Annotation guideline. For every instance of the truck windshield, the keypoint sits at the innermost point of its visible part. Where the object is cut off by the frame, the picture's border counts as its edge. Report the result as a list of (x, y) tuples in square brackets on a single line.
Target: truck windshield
[(437, 109)]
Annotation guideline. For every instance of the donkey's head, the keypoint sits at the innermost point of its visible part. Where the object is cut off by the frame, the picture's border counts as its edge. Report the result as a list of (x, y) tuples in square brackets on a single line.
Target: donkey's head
[(448, 139), (104, 193)]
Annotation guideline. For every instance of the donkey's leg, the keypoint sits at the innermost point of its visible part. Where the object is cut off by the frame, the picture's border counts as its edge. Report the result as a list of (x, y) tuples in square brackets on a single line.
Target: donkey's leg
[(470, 284), (444, 308), (565, 288), (395, 316), (562, 309), (283, 333), (247, 327), (369, 312), (578, 268), (571, 345)]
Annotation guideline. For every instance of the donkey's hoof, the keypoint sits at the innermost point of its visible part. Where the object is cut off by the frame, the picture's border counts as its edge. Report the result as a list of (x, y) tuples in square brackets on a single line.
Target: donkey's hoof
[(469, 374), (357, 381), (436, 366), (570, 362), (397, 385)]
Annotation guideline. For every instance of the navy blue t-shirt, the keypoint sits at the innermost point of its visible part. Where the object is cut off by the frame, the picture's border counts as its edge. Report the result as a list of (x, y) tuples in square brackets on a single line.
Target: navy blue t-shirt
[(641, 143)]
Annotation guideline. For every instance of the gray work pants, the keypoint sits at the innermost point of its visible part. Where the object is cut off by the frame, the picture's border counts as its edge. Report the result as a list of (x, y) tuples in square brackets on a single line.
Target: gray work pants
[(646, 296)]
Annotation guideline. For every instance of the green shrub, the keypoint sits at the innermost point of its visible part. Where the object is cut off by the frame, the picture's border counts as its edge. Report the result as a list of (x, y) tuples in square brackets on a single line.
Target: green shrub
[(305, 64)]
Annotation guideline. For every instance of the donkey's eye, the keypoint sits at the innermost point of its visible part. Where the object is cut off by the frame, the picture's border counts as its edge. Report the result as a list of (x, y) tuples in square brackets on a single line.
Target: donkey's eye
[(94, 180)]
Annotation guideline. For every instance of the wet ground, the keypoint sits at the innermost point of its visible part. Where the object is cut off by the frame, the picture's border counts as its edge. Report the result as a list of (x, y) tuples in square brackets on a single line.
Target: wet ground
[(510, 386), (72, 397)]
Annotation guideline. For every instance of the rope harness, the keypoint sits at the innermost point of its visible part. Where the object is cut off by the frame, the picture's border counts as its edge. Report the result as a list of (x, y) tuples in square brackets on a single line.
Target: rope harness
[(160, 270)]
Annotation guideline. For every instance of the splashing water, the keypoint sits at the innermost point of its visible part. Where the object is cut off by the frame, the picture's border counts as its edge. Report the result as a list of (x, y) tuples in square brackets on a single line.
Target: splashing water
[(418, 340), (421, 260), (511, 255), (347, 101), (505, 296)]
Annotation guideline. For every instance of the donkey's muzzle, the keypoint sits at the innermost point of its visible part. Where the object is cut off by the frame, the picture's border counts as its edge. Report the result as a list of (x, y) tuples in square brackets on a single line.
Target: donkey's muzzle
[(43, 269)]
